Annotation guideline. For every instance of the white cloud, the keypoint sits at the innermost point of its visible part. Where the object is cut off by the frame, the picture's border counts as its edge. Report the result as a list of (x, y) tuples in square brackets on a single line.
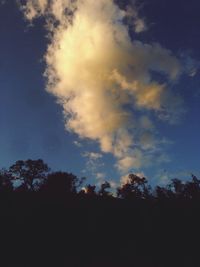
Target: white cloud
[(100, 76), (113, 184), (133, 161), (92, 155), (93, 163), (124, 179), (138, 23), (78, 144)]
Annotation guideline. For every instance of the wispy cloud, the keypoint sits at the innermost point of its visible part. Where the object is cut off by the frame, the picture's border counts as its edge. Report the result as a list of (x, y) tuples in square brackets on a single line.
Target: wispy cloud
[(77, 143), (93, 163), (164, 177)]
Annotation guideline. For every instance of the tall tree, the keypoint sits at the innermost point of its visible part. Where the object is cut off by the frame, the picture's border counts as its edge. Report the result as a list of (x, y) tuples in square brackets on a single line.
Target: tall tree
[(29, 173), (136, 187)]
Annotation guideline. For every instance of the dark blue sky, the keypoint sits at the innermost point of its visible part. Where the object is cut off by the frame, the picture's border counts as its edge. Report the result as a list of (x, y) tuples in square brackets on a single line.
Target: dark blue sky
[(31, 121)]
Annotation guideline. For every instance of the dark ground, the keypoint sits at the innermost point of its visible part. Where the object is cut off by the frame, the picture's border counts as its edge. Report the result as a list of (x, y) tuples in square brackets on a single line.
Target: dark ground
[(38, 230)]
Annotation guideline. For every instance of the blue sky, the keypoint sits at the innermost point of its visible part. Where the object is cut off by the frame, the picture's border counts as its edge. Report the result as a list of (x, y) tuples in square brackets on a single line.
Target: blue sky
[(32, 120)]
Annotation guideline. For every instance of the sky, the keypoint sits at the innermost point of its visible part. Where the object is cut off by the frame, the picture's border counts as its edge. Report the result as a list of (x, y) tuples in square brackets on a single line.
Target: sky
[(103, 88)]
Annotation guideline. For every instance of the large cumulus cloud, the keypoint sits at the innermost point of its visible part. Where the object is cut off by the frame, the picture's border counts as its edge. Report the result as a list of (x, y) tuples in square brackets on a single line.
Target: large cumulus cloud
[(102, 78)]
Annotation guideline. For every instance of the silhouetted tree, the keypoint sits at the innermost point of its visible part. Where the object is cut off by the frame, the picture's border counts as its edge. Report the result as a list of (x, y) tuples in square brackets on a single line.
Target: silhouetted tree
[(136, 187), (163, 192), (90, 190), (30, 173), (192, 188), (5, 181), (177, 188), (127, 233), (103, 192), (62, 182)]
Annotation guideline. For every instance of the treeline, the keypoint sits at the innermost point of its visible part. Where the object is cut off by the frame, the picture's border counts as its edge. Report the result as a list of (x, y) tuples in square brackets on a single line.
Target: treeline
[(57, 219), (36, 176)]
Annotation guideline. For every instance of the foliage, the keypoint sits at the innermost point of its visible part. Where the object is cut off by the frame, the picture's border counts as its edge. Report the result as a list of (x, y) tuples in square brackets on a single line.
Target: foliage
[(5, 181), (62, 182), (34, 175), (135, 188), (138, 227), (30, 173), (103, 189)]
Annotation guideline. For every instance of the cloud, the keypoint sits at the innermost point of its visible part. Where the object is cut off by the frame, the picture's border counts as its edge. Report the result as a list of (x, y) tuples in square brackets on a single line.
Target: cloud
[(133, 19), (134, 160), (191, 65), (93, 155), (100, 176), (147, 140), (164, 177), (93, 162), (125, 178), (35, 8), (2, 2), (78, 144), (145, 123), (113, 184), (102, 78)]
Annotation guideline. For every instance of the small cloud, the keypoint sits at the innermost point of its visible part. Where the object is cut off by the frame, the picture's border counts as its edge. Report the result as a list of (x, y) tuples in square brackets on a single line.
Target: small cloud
[(164, 177), (93, 155), (140, 25), (100, 176), (78, 144), (133, 19), (113, 184), (163, 158), (147, 141), (191, 66), (193, 72), (129, 162), (93, 163)]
